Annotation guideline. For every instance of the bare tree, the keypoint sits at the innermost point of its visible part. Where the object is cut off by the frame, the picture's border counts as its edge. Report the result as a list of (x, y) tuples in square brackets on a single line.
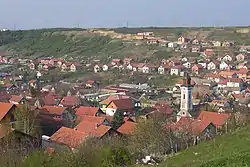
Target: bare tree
[(152, 137), (25, 120)]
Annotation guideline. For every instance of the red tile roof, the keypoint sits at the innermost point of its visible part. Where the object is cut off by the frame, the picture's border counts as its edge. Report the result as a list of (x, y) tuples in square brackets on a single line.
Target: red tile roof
[(116, 60), (218, 119), (100, 131), (16, 99), (32, 81), (227, 73), (242, 71), (165, 66), (4, 109), (223, 81), (49, 100), (85, 110), (178, 67), (236, 80), (111, 98), (4, 96), (220, 102), (70, 101), (90, 82), (94, 119), (92, 128), (163, 108), (127, 128), (193, 126), (138, 65), (199, 66), (69, 137), (239, 96), (54, 109), (122, 104), (131, 119)]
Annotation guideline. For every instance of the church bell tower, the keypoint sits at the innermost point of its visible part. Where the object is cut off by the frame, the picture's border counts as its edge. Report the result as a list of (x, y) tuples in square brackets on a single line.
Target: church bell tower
[(186, 98)]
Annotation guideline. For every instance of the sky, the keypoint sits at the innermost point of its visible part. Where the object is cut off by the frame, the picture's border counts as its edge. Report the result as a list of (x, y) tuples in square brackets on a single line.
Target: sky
[(30, 14)]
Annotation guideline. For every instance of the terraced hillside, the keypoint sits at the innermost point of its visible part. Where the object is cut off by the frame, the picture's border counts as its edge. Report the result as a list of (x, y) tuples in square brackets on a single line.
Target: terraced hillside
[(84, 45), (80, 44)]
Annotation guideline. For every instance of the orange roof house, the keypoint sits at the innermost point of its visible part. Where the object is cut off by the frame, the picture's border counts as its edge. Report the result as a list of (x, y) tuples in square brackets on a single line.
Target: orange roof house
[(54, 109), (94, 129), (161, 108), (6, 110), (69, 137), (194, 126), (16, 99), (55, 114), (97, 120), (228, 74), (218, 119), (115, 97), (123, 105), (197, 68), (70, 101), (127, 128), (89, 111), (243, 73), (240, 97), (51, 99)]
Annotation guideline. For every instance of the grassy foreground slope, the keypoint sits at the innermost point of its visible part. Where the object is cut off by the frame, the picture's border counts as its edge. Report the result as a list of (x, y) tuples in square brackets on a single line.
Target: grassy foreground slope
[(230, 150)]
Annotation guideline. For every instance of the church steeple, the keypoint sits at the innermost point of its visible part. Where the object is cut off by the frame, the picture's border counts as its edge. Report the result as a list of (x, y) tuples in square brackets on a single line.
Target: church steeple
[(186, 97)]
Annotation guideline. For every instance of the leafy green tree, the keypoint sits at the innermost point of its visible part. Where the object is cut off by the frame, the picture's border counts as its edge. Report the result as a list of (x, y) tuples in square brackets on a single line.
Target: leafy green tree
[(118, 119)]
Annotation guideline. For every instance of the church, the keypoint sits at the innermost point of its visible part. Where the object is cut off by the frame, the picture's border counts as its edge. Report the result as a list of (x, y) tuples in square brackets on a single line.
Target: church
[(202, 124), (186, 106)]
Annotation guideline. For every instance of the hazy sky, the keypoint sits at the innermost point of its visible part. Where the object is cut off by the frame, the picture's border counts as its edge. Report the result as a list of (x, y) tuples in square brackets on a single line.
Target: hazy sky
[(27, 14)]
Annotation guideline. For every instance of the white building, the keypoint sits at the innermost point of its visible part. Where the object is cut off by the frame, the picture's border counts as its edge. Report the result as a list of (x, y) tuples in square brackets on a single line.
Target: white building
[(211, 66), (145, 69), (187, 65), (105, 67), (223, 66), (186, 98), (96, 68), (227, 58), (172, 45)]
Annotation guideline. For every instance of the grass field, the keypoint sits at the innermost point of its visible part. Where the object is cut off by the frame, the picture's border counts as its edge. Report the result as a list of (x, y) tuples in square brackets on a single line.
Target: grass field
[(230, 150)]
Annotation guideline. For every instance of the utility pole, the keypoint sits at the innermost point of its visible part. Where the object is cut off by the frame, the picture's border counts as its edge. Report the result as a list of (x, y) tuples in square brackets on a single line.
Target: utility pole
[(127, 24)]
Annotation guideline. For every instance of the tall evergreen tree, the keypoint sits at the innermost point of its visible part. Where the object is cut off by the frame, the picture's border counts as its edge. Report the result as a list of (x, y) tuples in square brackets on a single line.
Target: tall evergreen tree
[(118, 119)]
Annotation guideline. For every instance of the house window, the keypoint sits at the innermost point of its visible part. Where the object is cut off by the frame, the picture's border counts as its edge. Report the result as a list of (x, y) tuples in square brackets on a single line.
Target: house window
[(184, 96)]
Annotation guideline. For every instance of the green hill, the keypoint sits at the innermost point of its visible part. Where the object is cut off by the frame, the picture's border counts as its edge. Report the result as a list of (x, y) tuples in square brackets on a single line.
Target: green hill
[(81, 44), (230, 150), (84, 44)]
